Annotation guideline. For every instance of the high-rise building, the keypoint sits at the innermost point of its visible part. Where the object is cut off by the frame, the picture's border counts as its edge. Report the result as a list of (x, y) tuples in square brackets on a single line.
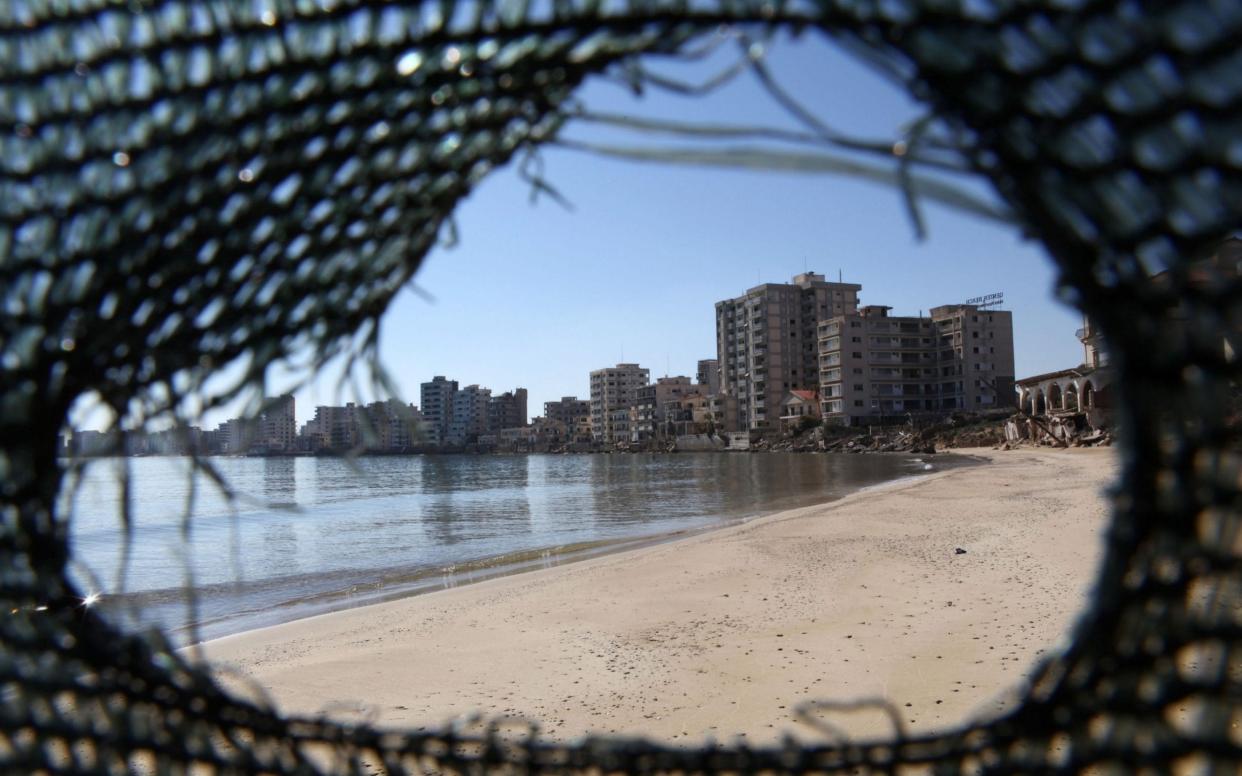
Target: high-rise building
[(613, 389), (469, 418), (976, 347), (393, 425), (508, 410), (650, 405), (708, 375), (436, 400), (767, 345), (238, 435), (337, 427), (569, 410), (278, 427), (875, 365)]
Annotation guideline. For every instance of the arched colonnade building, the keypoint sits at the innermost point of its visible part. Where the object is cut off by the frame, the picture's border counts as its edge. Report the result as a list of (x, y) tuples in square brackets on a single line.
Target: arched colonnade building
[(1079, 390)]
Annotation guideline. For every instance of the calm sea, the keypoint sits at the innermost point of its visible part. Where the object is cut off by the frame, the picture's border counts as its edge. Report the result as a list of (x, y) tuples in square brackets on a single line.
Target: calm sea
[(308, 535)]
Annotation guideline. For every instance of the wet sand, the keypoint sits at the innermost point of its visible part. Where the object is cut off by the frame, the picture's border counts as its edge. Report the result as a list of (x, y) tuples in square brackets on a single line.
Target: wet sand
[(729, 632)]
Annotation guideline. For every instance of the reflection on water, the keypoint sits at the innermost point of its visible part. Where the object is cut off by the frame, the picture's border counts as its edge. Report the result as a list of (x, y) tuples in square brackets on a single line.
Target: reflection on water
[(279, 480), (312, 530)]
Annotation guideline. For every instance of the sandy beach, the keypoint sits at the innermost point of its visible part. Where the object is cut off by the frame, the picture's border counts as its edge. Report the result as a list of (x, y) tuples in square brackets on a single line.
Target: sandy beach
[(729, 632)]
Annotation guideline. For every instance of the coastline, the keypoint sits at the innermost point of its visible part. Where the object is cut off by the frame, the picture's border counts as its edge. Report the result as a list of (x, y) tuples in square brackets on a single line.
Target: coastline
[(572, 533), (728, 630)]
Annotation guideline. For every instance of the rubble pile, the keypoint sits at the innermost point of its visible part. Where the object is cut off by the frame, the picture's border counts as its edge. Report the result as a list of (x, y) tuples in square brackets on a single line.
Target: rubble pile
[(982, 429), (1062, 429), (998, 429)]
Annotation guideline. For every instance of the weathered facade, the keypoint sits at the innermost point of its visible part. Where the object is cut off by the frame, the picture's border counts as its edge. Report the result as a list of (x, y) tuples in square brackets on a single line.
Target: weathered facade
[(707, 375), (469, 419), (436, 401), (1067, 391), (507, 410), (337, 428), (569, 410), (612, 389), (277, 425), (874, 366), (766, 345), (650, 402), (798, 407)]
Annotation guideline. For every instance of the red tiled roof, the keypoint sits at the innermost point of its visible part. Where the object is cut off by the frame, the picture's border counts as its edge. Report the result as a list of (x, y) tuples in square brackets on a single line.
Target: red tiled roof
[(807, 395)]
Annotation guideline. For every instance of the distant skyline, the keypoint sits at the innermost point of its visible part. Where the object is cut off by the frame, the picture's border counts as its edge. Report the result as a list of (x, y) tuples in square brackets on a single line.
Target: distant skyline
[(538, 296)]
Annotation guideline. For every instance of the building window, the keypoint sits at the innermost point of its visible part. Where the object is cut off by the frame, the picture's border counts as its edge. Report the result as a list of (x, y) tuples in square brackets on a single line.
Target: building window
[(855, 339), (858, 403), (858, 386)]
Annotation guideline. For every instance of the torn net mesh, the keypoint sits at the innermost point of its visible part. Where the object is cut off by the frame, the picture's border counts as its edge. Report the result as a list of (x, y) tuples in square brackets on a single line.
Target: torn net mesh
[(186, 185)]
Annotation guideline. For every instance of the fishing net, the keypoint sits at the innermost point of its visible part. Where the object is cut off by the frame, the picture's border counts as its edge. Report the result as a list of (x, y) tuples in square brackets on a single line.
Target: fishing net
[(188, 185)]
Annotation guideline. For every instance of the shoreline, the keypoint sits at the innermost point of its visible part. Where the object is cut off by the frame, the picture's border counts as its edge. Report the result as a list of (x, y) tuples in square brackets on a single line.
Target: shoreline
[(729, 630), (430, 581)]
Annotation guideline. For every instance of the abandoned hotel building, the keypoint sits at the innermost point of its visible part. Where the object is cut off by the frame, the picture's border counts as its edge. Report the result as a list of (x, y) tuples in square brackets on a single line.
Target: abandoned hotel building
[(784, 347), (1072, 400)]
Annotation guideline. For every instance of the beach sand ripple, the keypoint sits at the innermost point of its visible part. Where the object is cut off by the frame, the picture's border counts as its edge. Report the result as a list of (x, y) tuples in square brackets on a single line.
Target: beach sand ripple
[(733, 632)]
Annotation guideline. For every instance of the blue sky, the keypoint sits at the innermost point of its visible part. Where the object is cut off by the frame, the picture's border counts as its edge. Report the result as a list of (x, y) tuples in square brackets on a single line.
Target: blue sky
[(538, 296)]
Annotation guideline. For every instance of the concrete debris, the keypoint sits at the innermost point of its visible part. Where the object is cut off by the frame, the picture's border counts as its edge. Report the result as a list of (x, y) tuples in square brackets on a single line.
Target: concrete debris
[(1063, 429)]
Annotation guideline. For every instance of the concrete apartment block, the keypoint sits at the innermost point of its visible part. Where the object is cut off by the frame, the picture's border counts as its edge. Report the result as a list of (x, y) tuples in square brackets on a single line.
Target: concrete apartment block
[(978, 345), (278, 426), (620, 424), (469, 414), (614, 388), (707, 375), (436, 400), (767, 345), (649, 405), (875, 366), (688, 414), (569, 410), (393, 425), (337, 427), (508, 410)]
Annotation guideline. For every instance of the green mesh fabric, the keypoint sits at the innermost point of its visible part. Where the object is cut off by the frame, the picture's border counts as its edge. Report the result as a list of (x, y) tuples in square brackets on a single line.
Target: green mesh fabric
[(186, 185)]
